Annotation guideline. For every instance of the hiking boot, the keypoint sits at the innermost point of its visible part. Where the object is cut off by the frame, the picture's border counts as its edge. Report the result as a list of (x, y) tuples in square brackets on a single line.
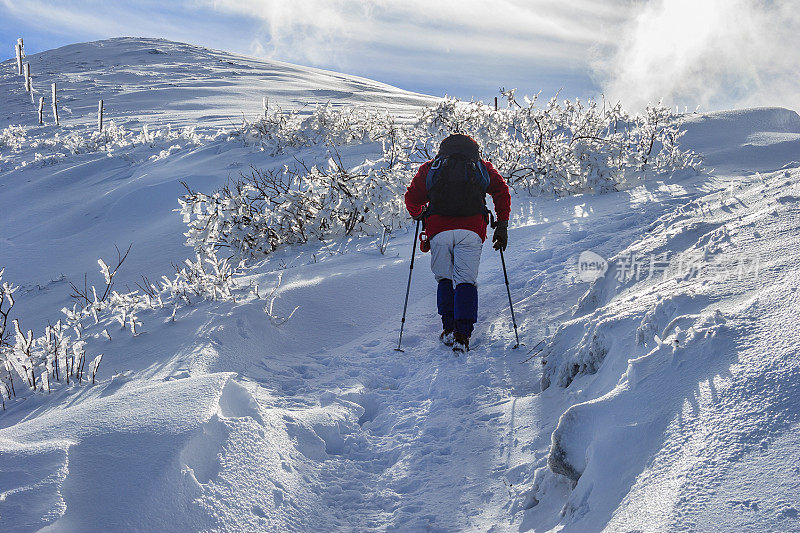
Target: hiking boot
[(446, 337), (460, 343)]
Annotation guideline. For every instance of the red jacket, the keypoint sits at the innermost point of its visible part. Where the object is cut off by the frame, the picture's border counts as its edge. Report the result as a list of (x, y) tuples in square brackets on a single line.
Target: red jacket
[(417, 197)]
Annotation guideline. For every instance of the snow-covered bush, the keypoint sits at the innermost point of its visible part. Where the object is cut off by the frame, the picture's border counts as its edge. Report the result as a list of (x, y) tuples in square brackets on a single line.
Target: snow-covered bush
[(114, 137), (280, 130), (562, 148), (254, 214), (59, 355), (208, 277), (12, 137), (47, 148), (36, 362)]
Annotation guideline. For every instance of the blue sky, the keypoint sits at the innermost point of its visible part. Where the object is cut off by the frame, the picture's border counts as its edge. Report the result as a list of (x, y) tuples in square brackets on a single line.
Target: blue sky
[(712, 53)]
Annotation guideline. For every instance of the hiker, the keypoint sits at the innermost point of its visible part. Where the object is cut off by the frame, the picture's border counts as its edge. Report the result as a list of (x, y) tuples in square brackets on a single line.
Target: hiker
[(454, 186)]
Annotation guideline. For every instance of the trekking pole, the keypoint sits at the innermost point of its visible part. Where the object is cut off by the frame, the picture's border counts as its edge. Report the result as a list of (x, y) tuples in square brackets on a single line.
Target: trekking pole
[(511, 305), (408, 288), (508, 288)]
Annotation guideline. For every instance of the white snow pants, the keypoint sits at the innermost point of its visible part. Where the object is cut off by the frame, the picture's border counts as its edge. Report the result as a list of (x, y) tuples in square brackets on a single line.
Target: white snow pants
[(455, 255)]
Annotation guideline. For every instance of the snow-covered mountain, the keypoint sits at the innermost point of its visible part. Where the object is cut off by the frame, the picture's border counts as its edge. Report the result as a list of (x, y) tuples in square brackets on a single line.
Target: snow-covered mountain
[(662, 396), (159, 82)]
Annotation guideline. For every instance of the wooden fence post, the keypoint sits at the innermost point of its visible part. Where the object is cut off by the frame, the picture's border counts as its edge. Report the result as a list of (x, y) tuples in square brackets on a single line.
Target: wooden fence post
[(27, 77), (495, 103), (100, 115), (55, 105), (18, 51), (266, 106), (41, 110)]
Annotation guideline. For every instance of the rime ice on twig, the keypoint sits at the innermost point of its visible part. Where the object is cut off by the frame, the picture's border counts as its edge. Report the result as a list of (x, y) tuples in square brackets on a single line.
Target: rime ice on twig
[(273, 318)]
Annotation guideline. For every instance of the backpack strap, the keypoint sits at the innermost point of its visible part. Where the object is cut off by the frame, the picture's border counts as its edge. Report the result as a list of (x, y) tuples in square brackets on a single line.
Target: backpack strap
[(484, 174), (485, 181), (430, 179)]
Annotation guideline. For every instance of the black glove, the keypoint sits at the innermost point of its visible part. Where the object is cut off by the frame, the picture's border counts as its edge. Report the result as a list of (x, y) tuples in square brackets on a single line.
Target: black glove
[(500, 237), (422, 215)]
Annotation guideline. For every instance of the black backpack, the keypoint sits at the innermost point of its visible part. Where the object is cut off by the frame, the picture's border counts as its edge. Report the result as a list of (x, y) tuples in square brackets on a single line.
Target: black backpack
[(457, 180)]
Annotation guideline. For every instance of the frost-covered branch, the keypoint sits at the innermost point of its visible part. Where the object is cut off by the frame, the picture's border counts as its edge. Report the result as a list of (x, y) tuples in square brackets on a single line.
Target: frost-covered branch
[(6, 304), (273, 318)]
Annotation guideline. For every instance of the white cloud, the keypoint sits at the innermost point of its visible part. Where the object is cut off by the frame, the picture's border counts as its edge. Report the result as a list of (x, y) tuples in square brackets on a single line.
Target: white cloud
[(330, 30), (712, 53)]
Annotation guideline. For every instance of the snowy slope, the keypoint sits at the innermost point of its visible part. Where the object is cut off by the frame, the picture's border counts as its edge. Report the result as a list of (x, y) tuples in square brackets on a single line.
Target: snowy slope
[(159, 82), (681, 408), (696, 391)]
